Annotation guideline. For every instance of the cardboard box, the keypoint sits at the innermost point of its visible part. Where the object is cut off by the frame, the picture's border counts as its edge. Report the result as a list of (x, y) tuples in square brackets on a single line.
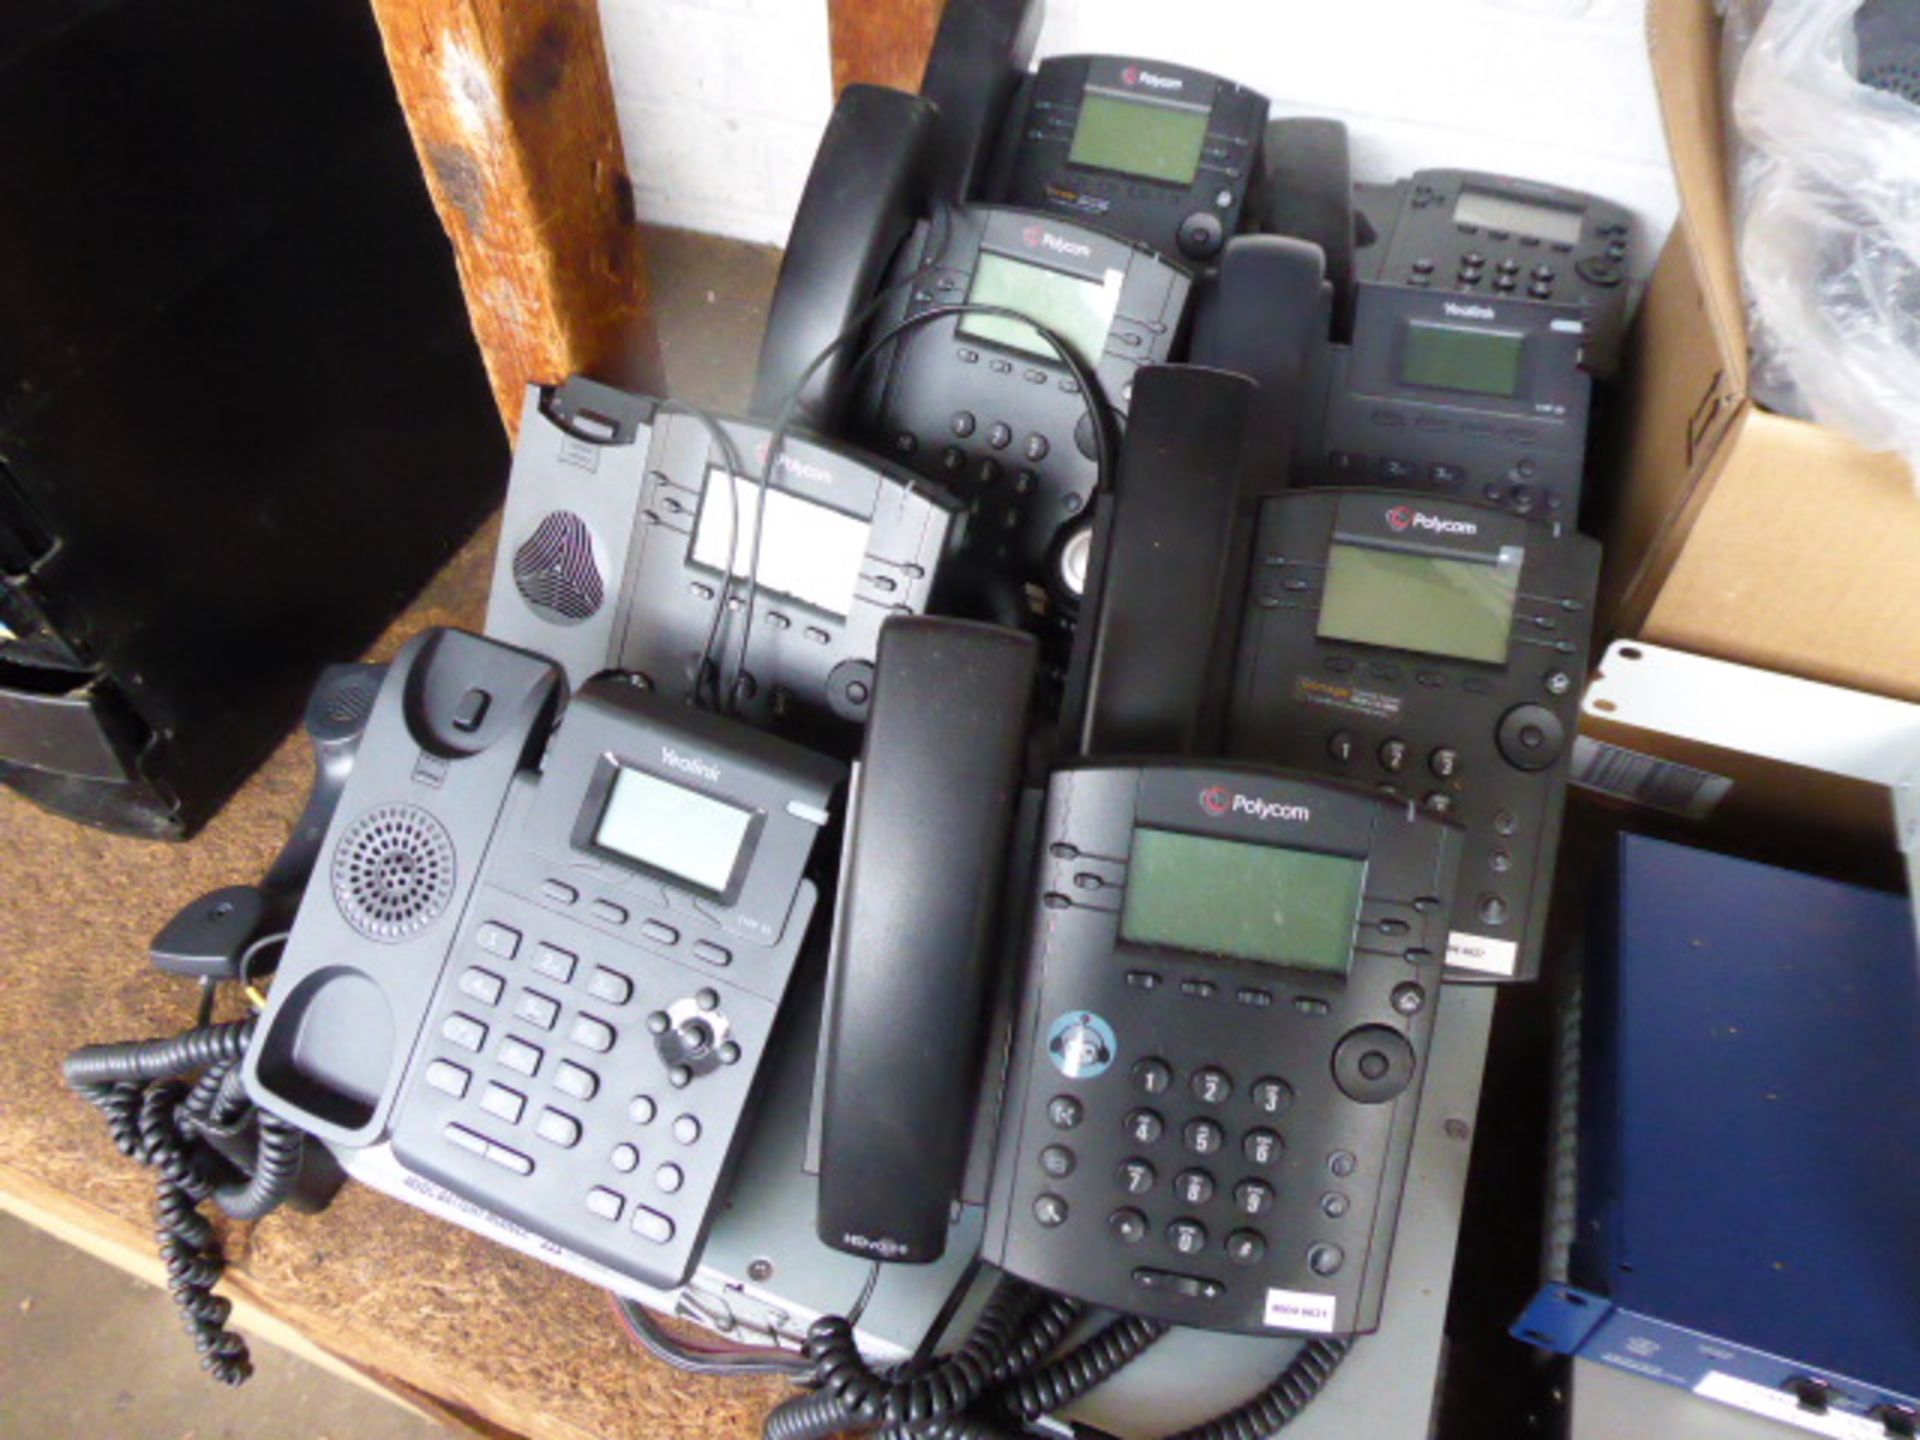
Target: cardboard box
[(1736, 533)]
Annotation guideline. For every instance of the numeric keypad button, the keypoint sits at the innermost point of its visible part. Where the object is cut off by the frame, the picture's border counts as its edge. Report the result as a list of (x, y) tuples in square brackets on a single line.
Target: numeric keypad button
[(1194, 1187), (1211, 1085), (1253, 1197), (1272, 1095), (1261, 1147), (1135, 1176), (1128, 1226), (1246, 1247), (1187, 1237), (1203, 1137), (1146, 1127), (1152, 1076)]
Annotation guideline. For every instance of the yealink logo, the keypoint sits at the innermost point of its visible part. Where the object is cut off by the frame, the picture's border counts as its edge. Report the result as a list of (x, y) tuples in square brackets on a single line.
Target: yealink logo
[(1134, 75), (689, 764), (1044, 239), (1405, 517), (1468, 312), (1218, 800)]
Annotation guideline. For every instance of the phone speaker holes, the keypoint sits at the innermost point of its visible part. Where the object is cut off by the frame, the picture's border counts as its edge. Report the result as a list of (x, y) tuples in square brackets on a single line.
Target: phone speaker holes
[(393, 872), (557, 572)]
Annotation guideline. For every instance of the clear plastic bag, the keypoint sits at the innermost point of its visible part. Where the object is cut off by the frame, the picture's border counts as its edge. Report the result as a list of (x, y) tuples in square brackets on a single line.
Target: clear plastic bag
[(1827, 194)]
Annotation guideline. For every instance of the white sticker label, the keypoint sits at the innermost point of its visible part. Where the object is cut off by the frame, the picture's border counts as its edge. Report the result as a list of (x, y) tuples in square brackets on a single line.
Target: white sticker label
[(1646, 779), (1779, 1405), (1300, 1310), (1479, 952)]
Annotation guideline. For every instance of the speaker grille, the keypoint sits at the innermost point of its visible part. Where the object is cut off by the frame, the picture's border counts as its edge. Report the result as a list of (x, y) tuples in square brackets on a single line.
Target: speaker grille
[(556, 571), (1897, 71), (393, 872)]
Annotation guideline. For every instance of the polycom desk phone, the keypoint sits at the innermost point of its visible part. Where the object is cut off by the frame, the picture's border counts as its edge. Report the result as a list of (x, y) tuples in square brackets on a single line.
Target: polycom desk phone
[(625, 547), (1434, 652), (1157, 153), (1497, 237), (1230, 984), (546, 961), (982, 402)]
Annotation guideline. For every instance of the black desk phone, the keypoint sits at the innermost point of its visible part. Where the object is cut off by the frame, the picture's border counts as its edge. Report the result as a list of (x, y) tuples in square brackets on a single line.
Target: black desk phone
[(1157, 153), (1495, 236), (545, 959), (622, 548), (982, 403), (1230, 983), (1434, 651)]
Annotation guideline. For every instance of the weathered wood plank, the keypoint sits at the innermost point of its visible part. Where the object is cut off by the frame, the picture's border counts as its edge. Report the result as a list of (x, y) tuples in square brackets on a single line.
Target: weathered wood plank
[(881, 42), (512, 113)]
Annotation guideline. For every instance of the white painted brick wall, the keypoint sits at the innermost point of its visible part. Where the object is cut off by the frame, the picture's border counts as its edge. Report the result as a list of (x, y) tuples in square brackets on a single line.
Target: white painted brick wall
[(722, 101)]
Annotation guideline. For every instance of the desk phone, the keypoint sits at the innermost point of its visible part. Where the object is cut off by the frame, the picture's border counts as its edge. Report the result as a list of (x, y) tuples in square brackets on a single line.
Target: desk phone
[(1435, 652), (1499, 237), (981, 403), (546, 962), (1157, 153), (614, 554), (1230, 983), (1477, 397)]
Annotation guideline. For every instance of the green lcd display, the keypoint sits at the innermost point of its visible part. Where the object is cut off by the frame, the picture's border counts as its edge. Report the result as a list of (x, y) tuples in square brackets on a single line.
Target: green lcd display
[(1425, 603), (1254, 902), (1079, 311), (1147, 138), (1458, 357)]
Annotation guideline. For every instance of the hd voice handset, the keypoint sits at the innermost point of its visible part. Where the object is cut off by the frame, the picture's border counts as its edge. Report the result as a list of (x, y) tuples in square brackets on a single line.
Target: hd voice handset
[(544, 955), (638, 537), (1230, 982)]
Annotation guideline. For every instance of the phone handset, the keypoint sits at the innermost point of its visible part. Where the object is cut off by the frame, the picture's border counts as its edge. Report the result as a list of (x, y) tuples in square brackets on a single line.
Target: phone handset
[(1148, 671), (913, 957), (1307, 194), (454, 721), (867, 188), (979, 58)]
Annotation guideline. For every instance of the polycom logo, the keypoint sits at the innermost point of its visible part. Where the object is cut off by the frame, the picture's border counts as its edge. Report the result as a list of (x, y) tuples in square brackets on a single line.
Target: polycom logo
[(1405, 517), (1134, 75), (1216, 801), (1041, 238), (1400, 517)]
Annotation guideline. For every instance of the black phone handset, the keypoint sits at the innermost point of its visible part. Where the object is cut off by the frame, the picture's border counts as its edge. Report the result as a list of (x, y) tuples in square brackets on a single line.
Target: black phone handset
[(912, 959), (979, 57), (869, 185), (1154, 637)]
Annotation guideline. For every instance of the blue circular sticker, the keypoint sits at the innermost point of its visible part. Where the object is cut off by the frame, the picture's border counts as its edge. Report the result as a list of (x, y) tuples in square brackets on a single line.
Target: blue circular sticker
[(1081, 1045)]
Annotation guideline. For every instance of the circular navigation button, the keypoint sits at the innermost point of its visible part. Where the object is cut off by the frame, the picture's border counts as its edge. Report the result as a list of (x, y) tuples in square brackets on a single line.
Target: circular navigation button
[(1373, 1064), (1530, 737), (1200, 234)]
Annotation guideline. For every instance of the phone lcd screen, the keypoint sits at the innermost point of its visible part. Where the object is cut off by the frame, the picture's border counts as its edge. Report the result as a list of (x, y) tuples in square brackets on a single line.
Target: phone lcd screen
[(1429, 604), (1147, 138), (810, 553), (1555, 224), (1079, 311), (1255, 902), (672, 829), (1458, 357)]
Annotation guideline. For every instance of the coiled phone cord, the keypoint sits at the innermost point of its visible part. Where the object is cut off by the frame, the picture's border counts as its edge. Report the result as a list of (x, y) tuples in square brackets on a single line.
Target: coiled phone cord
[(157, 1119)]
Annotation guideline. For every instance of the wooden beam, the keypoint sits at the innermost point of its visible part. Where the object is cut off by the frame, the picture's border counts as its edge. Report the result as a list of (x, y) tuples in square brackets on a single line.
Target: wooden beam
[(881, 42), (512, 113)]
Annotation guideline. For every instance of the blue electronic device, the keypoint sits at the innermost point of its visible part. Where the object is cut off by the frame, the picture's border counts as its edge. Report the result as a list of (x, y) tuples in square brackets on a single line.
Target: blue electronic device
[(1746, 1218)]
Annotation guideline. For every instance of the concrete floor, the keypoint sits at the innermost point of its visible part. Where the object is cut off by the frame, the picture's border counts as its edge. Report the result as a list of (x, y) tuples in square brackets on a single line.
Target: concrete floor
[(87, 1351)]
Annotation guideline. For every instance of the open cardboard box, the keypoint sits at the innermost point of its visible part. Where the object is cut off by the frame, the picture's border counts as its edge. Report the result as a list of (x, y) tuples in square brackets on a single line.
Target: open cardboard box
[(1735, 533)]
